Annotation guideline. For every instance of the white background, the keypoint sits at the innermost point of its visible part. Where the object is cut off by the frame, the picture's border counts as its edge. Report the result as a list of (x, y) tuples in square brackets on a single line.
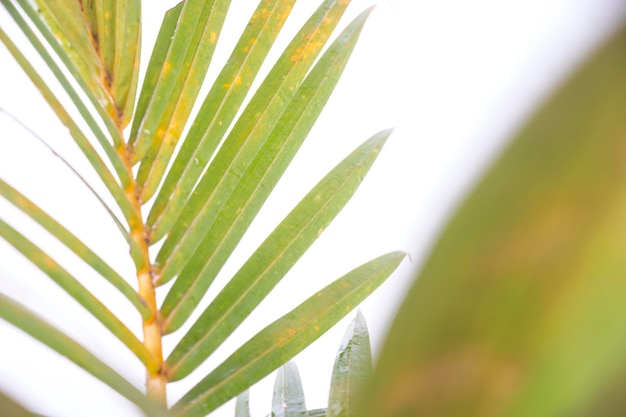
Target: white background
[(455, 78)]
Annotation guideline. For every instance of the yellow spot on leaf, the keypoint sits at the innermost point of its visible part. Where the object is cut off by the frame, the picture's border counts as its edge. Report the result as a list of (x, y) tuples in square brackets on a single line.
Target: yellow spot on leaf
[(212, 37)]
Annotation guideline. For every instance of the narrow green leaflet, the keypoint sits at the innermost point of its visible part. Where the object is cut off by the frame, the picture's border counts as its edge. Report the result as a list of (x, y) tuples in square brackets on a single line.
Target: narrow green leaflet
[(263, 174), (157, 59), (245, 140), (288, 398), (88, 76), (103, 140), (124, 73), (519, 310), (271, 261), (106, 16), (65, 20), (287, 336), (78, 136), (75, 289), (242, 405), (73, 243), (34, 326), (100, 38), (220, 106), (177, 88), (353, 367), (11, 408)]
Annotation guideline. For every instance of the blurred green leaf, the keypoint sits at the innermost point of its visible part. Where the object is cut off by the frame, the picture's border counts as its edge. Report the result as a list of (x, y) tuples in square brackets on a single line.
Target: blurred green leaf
[(519, 310), (273, 259), (11, 408), (288, 398), (286, 337), (353, 367)]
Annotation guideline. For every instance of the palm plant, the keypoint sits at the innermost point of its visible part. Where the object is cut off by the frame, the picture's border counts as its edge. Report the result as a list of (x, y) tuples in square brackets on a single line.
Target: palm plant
[(184, 186)]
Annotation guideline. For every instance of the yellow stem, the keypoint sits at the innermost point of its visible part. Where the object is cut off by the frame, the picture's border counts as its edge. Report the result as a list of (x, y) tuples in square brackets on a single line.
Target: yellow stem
[(152, 327), (155, 382)]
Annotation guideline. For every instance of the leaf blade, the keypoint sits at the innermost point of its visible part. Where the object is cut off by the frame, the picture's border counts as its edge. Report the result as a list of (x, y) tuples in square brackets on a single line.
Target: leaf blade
[(219, 108), (273, 259), (125, 69), (353, 367), (242, 405), (78, 292), (261, 177), (191, 49), (252, 130), (288, 397), (10, 407), (72, 243), (113, 156), (79, 137), (528, 319), (286, 337), (25, 320)]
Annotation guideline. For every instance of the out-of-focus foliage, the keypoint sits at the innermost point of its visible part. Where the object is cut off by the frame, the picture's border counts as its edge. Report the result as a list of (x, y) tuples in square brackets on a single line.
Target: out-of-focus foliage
[(520, 310)]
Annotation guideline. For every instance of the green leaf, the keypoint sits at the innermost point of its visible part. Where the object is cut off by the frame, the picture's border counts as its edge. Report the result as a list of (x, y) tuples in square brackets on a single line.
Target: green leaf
[(116, 31), (124, 71), (219, 108), (155, 65), (287, 336), (318, 412), (242, 405), (79, 137), (34, 326), (245, 140), (271, 261), (74, 244), (79, 293), (88, 75), (261, 177), (179, 81), (11, 408), (288, 398), (519, 310), (103, 140), (353, 367), (65, 20)]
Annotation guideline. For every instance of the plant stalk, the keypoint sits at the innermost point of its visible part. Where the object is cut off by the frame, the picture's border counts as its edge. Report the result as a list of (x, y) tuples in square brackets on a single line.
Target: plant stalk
[(152, 327), (155, 381)]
